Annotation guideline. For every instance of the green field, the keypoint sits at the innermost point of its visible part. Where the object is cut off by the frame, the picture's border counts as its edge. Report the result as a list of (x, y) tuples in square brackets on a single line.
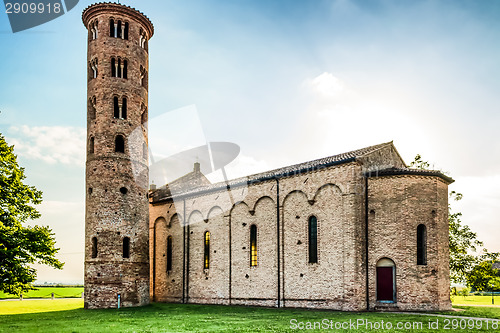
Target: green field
[(475, 300), (46, 292), (68, 316)]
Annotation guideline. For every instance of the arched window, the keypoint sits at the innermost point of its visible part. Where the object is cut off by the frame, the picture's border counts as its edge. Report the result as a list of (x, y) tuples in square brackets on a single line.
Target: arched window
[(313, 239), (120, 29), (91, 145), (94, 247), (421, 245), (169, 253), (253, 245), (125, 32), (144, 77), (93, 69), (386, 280), (126, 247), (91, 109), (119, 144), (113, 67), (124, 70), (123, 114), (111, 28), (206, 250), (93, 30), (116, 107)]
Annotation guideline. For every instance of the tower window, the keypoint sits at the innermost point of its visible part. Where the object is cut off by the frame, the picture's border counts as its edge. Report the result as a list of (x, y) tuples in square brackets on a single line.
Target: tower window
[(111, 28), (144, 115), (118, 29), (313, 240), (126, 247), (144, 77), (169, 253), (94, 247), (253, 245), (91, 145), (93, 30), (421, 245), (120, 109), (206, 250), (93, 69), (119, 144), (143, 40), (91, 108), (119, 68)]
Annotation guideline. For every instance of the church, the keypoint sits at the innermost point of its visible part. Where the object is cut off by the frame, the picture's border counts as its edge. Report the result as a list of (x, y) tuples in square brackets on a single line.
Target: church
[(356, 231)]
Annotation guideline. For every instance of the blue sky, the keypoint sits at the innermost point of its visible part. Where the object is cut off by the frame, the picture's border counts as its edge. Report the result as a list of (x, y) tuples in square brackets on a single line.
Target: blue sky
[(288, 81)]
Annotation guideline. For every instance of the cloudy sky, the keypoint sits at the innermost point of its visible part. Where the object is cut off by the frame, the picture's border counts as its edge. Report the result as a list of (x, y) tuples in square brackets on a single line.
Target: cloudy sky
[(288, 81)]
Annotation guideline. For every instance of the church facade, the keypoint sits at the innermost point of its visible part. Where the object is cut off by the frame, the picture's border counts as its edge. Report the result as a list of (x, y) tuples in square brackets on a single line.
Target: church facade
[(356, 231)]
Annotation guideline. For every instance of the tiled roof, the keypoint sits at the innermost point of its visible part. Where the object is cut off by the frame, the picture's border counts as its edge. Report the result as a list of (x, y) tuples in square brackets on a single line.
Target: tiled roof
[(408, 171), (278, 173)]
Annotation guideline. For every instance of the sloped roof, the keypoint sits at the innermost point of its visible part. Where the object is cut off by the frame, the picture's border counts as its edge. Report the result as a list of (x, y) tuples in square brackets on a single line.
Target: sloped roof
[(161, 195), (408, 171)]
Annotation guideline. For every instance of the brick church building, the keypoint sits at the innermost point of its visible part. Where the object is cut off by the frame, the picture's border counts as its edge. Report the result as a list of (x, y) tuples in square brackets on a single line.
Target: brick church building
[(355, 231)]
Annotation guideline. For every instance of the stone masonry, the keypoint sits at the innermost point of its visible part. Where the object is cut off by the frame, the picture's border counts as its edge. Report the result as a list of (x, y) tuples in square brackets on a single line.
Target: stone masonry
[(116, 217), (368, 206)]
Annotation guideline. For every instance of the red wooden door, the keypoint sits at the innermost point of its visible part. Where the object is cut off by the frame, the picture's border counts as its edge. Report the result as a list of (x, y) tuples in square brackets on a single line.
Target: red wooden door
[(385, 284)]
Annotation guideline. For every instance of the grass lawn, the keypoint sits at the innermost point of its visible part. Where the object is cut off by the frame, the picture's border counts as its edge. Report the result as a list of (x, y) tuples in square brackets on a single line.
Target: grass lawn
[(68, 316), (46, 292), (475, 300)]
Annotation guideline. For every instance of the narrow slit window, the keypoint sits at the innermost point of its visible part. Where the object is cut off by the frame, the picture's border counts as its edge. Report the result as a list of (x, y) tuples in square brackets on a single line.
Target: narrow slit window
[(111, 28), (253, 245), (119, 29), (206, 250), (91, 145), (421, 245), (94, 247), (126, 247), (116, 107), (113, 67), (124, 71), (313, 240), (126, 30), (119, 144), (124, 109), (169, 253)]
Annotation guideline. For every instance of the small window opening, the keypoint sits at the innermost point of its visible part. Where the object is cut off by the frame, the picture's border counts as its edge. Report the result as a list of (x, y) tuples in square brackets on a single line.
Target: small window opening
[(123, 190), (253, 245), (119, 144), (206, 255), (91, 145), (421, 245), (126, 247), (94, 247), (313, 240), (169, 253)]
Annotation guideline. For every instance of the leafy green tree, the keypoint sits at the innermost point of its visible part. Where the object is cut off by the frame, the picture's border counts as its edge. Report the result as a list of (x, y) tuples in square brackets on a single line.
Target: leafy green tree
[(480, 276), (20, 244), (494, 283)]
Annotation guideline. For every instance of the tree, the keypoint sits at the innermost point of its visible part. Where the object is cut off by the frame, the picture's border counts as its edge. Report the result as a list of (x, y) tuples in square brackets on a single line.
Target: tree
[(480, 276), (20, 244)]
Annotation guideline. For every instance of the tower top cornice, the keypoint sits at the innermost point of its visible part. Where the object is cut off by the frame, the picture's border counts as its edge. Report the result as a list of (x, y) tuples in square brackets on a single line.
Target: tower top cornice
[(114, 8)]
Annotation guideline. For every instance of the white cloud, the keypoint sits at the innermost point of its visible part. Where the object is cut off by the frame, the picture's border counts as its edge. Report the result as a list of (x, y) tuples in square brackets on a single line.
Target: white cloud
[(51, 144), (326, 85), (242, 166)]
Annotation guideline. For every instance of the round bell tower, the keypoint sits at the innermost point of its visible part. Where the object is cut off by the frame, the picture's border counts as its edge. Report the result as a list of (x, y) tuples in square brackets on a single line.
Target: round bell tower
[(117, 209)]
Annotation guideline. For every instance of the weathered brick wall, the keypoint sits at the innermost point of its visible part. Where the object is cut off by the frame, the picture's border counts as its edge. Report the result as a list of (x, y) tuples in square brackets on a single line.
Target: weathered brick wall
[(397, 205), (336, 196), (116, 183)]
